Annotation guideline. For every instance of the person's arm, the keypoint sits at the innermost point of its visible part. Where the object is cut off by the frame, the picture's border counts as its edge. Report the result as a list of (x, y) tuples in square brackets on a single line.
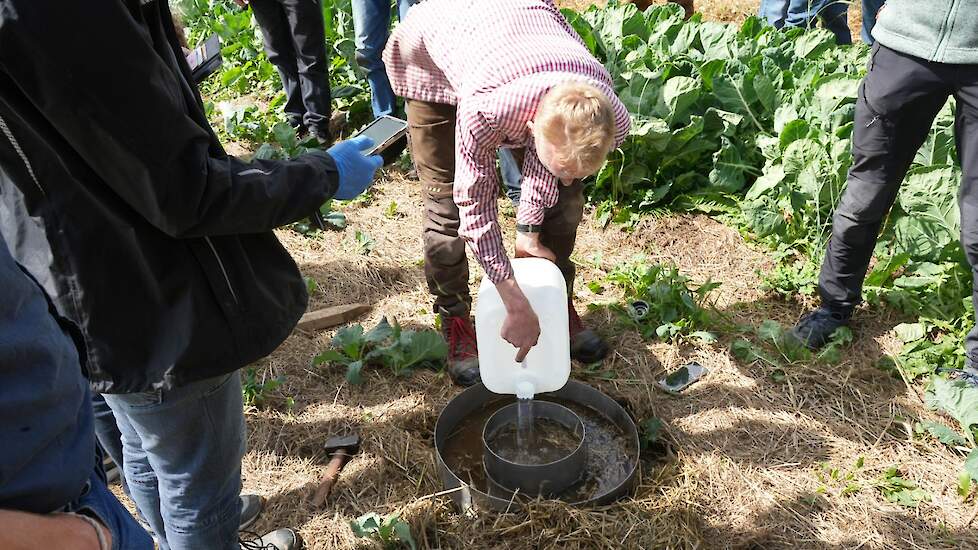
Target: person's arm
[(475, 193), (623, 121), (476, 189), (538, 191), (92, 71), (24, 531)]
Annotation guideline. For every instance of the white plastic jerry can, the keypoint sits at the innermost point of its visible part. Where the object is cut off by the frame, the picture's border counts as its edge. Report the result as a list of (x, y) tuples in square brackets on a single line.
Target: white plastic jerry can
[(547, 365)]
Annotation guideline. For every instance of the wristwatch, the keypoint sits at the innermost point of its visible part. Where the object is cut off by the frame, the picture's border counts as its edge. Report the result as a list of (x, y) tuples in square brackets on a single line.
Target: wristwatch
[(529, 228)]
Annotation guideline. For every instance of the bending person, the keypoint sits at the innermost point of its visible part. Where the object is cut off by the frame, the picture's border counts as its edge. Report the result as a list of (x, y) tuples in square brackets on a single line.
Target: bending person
[(525, 82)]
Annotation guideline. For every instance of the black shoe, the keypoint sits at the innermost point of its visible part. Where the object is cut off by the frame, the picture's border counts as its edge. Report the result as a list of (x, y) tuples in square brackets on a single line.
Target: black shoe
[(300, 129), (463, 355), (815, 329), (251, 507), (322, 136), (585, 344)]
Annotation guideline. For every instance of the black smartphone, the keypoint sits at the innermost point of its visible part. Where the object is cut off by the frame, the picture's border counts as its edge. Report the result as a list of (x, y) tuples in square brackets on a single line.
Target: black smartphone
[(385, 131), (205, 59)]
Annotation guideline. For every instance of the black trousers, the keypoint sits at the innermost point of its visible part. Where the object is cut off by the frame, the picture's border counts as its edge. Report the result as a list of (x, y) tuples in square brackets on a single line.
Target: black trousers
[(898, 101), (295, 41)]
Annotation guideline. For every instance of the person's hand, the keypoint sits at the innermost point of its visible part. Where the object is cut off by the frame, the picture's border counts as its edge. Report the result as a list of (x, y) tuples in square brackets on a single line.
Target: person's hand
[(528, 246), (521, 328), (242, 3), (356, 169)]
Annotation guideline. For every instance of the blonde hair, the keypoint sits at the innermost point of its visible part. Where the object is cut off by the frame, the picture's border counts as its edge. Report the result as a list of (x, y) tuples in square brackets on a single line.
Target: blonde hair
[(578, 119)]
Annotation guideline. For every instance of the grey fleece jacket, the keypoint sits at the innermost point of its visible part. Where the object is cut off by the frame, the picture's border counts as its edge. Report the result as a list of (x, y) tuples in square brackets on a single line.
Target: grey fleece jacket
[(944, 31)]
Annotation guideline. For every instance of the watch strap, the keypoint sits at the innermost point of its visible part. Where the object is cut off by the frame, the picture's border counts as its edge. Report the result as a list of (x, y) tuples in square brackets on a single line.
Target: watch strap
[(529, 228)]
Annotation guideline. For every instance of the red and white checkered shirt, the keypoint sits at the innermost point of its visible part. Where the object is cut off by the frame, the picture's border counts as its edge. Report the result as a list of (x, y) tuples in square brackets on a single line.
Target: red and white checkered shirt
[(494, 60)]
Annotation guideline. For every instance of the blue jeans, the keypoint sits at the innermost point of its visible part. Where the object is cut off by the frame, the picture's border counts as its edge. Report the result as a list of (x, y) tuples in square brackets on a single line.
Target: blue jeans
[(107, 433), (182, 452), (512, 174), (97, 501), (870, 9), (802, 13), (371, 24)]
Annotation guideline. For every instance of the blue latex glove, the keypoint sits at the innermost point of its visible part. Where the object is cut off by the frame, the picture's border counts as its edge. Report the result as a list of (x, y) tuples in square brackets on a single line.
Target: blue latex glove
[(356, 169)]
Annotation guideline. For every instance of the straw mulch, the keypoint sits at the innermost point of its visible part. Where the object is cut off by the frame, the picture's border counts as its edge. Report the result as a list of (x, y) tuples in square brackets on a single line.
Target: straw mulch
[(742, 465)]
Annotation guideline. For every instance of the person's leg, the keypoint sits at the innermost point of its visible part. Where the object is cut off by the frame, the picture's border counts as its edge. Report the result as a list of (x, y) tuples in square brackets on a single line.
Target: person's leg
[(802, 13), (560, 228), (559, 235), (897, 103), (371, 21), (431, 128), (99, 503), (870, 9), (966, 136), (896, 106), (432, 131), (774, 12), (140, 477), (835, 17), (308, 34), (510, 167), (107, 433), (277, 36), (403, 6), (193, 438)]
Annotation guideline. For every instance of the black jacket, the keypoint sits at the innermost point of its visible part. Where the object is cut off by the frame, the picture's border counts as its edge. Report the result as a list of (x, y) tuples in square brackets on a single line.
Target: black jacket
[(118, 198)]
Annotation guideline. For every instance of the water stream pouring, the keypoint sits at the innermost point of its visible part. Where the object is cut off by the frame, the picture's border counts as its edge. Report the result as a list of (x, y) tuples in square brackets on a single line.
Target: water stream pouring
[(527, 429), (549, 467)]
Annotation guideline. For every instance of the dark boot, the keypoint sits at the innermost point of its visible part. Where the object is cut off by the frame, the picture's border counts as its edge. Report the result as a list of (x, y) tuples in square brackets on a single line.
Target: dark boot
[(815, 329), (463, 355), (251, 507), (585, 344)]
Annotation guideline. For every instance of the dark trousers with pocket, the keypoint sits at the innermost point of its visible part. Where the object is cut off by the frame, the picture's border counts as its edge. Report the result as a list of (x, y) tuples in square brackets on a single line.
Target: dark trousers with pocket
[(295, 42), (898, 101), (446, 267)]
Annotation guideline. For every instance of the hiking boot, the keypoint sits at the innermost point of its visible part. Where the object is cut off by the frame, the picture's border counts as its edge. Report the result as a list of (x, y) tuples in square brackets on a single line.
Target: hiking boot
[(815, 329), (322, 137), (463, 355), (585, 344), (251, 507), (280, 539)]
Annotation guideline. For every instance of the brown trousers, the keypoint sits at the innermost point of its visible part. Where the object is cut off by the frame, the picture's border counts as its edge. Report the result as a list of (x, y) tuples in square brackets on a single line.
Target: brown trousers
[(432, 133)]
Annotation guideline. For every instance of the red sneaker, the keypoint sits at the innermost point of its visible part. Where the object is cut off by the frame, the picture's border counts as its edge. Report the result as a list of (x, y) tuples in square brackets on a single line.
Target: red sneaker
[(585, 344), (463, 354)]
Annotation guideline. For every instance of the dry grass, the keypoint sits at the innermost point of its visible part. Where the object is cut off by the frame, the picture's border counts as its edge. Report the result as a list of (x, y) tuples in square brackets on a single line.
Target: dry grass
[(745, 450)]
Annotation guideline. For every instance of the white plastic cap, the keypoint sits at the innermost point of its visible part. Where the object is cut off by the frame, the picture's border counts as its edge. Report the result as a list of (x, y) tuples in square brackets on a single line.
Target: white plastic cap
[(525, 390)]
